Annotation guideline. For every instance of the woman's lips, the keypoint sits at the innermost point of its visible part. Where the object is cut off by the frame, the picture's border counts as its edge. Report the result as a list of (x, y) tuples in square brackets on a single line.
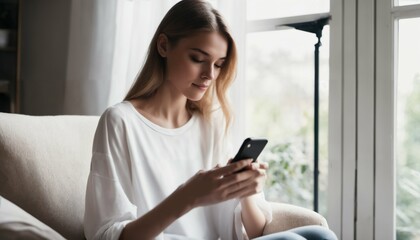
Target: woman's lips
[(201, 86)]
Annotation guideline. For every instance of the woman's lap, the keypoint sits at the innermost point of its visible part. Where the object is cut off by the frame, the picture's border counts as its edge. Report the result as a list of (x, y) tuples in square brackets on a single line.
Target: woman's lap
[(301, 233)]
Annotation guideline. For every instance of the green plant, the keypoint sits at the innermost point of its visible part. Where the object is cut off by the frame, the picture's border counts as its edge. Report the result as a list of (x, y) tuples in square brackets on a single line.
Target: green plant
[(289, 178), (408, 169)]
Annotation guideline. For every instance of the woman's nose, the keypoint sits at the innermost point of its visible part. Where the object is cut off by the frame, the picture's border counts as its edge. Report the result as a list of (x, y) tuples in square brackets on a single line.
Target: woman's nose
[(208, 73)]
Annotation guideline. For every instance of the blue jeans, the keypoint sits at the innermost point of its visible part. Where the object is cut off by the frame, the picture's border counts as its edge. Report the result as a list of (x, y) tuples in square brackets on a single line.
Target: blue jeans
[(302, 233)]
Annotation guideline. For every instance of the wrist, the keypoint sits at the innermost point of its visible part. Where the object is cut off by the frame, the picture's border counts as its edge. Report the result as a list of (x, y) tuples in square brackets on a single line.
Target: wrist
[(183, 200), (247, 200)]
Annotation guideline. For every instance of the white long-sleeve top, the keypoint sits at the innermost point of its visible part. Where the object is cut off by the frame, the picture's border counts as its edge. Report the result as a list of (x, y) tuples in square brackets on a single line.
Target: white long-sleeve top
[(136, 164)]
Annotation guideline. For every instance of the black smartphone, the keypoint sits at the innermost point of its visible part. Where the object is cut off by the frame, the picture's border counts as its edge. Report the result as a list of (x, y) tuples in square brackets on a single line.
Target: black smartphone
[(250, 148)]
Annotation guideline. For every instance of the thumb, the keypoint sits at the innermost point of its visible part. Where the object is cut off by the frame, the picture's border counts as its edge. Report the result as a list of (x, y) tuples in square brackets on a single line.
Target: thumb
[(216, 167)]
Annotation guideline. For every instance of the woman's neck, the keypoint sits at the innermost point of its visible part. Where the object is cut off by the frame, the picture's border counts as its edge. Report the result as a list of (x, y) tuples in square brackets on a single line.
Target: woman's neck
[(164, 108)]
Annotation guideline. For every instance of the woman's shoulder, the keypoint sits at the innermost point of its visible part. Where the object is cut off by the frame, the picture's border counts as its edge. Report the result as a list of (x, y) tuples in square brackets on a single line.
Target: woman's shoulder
[(116, 112)]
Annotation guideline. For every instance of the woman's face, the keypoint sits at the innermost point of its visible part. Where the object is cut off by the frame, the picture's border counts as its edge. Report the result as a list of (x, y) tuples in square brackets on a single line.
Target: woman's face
[(193, 63)]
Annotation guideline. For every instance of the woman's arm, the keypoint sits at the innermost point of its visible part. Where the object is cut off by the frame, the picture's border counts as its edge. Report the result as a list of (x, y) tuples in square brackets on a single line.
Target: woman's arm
[(252, 217), (155, 221), (204, 188)]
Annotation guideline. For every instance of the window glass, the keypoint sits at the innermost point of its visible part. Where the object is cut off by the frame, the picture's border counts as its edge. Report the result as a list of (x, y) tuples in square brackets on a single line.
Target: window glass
[(280, 107), (408, 130), (261, 9), (406, 2)]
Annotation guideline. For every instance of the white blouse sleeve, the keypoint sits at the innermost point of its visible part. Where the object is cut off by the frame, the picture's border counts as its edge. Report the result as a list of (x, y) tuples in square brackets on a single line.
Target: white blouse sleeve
[(265, 208), (108, 206), (227, 215)]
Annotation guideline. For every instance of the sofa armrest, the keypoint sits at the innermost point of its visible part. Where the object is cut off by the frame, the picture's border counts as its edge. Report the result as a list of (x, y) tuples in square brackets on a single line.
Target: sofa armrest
[(286, 216)]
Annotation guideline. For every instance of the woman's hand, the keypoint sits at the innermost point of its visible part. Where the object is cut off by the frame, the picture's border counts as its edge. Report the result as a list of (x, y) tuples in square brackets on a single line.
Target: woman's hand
[(259, 169), (223, 183), (253, 219)]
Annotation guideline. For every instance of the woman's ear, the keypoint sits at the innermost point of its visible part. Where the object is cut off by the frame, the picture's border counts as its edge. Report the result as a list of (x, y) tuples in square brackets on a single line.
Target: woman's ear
[(162, 45)]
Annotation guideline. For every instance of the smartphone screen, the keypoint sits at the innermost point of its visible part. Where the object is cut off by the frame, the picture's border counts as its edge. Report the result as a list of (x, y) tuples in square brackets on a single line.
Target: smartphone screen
[(250, 148)]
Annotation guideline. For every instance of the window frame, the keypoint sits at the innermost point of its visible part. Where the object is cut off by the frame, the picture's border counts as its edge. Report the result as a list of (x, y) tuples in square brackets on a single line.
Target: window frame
[(361, 185), (387, 41), (362, 106)]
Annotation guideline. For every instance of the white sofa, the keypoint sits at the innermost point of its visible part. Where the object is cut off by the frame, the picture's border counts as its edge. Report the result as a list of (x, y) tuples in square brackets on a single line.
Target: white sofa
[(44, 164)]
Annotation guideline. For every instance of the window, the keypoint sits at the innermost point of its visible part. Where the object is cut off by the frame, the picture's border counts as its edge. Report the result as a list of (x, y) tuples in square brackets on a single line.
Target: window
[(398, 88), (280, 99), (406, 2), (408, 129), (263, 9)]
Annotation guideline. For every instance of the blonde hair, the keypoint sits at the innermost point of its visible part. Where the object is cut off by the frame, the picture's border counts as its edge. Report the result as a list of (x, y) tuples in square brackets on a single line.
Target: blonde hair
[(184, 19)]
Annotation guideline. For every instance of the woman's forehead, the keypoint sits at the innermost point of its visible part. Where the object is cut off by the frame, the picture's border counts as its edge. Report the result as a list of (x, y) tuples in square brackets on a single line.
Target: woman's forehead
[(212, 44)]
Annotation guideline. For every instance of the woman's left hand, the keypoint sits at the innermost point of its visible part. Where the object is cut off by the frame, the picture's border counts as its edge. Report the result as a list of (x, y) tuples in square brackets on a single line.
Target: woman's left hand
[(253, 219), (254, 174)]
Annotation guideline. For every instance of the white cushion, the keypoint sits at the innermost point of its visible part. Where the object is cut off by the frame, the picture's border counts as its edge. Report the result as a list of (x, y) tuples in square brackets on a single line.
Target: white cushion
[(44, 165), (15, 223)]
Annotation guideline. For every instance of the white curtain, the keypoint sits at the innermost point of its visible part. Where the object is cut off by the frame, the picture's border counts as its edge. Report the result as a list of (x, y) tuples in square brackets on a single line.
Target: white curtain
[(234, 11), (90, 58), (108, 43)]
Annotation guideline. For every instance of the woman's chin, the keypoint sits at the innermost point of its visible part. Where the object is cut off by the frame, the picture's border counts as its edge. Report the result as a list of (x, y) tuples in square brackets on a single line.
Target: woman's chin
[(194, 95), (195, 99)]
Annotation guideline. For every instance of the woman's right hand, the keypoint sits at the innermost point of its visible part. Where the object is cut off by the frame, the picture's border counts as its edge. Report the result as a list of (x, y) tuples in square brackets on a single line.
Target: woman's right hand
[(218, 184)]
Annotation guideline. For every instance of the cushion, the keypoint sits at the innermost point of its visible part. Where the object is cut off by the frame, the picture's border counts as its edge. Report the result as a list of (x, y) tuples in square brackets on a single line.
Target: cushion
[(286, 217), (45, 165), (15, 223)]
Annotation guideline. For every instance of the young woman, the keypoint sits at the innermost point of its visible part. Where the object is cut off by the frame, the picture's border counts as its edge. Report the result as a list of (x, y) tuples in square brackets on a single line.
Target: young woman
[(159, 157)]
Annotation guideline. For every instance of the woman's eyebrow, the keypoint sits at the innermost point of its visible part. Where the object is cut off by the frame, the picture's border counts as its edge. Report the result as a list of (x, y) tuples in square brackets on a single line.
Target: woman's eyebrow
[(204, 52)]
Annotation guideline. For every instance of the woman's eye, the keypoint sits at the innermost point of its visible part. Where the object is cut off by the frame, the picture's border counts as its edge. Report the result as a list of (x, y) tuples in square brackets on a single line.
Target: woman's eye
[(197, 60), (219, 64)]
